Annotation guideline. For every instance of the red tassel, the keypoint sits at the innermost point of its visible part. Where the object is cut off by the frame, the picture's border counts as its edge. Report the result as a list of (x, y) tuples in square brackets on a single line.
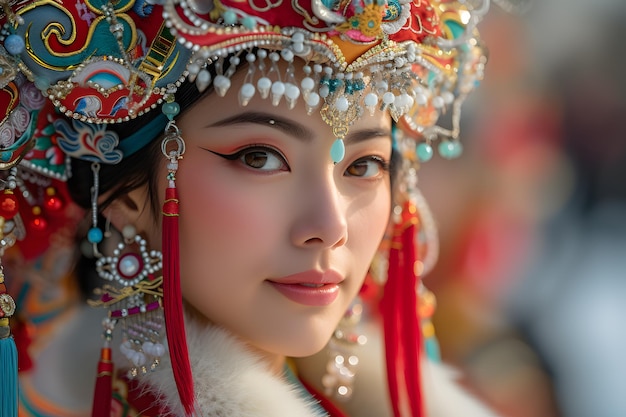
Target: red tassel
[(390, 324), (400, 318), (173, 303), (103, 393), (412, 334)]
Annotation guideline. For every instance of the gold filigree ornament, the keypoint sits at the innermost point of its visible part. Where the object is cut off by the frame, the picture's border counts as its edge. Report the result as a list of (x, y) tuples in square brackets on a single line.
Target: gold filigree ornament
[(8, 69), (7, 305), (138, 311)]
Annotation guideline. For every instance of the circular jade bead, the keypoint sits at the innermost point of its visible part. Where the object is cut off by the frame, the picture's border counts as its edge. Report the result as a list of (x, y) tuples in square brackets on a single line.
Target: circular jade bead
[(94, 235), (14, 44), (170, 109), (248, 22), (230, 17), (424, 152), (450, 150)]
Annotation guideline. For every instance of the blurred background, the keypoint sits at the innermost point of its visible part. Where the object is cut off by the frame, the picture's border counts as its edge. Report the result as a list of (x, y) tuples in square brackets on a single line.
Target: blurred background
[(531, 278)]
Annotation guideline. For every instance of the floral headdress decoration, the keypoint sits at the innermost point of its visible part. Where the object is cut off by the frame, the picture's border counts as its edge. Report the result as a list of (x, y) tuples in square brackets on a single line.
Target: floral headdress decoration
[(68, 70)]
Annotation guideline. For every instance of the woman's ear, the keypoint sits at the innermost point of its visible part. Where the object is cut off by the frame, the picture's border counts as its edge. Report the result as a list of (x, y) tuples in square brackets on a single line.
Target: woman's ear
[(133, 208)]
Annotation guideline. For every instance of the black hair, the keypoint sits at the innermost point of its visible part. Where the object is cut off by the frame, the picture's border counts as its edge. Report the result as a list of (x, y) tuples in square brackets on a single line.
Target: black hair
[(118, 180), (133, 171)]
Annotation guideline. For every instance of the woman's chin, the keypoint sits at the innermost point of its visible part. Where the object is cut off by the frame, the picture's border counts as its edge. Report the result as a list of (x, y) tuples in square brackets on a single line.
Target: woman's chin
[(308, 350), (302, 345)]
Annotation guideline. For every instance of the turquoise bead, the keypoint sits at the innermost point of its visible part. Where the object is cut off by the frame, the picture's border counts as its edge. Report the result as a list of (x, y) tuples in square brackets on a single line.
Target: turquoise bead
[(170, 109), (14, 44), (338, 151), (432, 349), (248, 22), (230, 17), (42, 83), (94, 235), (424, 152), (450, 150), (458, 149)]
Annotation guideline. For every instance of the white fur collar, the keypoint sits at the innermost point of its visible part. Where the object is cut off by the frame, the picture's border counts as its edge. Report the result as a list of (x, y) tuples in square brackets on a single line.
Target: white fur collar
[(232, 382), (229, 380), (445, 398)]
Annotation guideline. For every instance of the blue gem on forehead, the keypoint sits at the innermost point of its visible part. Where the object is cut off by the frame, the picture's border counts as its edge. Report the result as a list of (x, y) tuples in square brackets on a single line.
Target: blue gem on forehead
[(332, 83), (353, 86), (337, 151)]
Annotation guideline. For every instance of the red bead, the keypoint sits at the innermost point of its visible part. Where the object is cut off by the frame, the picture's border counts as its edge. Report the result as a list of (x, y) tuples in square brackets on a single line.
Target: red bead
[(8, 205), (39, 224), (53, 203)]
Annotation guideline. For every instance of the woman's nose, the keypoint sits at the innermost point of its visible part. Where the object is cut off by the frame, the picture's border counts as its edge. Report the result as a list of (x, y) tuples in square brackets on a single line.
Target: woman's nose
[(322, 217)]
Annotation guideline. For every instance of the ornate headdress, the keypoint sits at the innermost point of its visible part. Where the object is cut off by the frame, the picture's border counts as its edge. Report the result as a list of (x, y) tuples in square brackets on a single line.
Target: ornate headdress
[(69, 70)]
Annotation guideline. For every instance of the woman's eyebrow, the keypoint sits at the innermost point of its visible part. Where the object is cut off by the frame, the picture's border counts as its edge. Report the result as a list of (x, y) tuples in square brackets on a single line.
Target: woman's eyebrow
[(293, 128), (287, 126), (365, 134)]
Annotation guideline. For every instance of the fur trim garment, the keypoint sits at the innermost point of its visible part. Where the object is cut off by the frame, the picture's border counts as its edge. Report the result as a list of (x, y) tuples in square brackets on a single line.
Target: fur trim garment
[(445, 398), (231, 381)]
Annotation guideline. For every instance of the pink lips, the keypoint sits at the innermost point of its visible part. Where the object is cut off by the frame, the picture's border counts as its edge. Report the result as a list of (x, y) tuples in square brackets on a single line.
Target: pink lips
[(310, 288)]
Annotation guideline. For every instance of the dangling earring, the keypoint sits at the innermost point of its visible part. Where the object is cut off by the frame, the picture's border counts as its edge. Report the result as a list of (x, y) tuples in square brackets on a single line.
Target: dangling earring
[(129, 268), (134, 302), (343, 361), (173, 148)]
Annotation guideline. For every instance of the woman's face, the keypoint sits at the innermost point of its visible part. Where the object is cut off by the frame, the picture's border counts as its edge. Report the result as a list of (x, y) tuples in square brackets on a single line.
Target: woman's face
[(275, 239)]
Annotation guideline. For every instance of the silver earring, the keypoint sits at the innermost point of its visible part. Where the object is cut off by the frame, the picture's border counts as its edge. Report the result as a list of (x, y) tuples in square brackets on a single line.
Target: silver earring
[(343, 361), (129, 268), (134, 301)]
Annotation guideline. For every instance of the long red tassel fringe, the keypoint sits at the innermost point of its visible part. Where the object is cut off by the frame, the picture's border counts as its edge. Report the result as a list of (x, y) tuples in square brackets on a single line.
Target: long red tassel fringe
[(103, 393), (391, 323), (173, 304), (403, 339)]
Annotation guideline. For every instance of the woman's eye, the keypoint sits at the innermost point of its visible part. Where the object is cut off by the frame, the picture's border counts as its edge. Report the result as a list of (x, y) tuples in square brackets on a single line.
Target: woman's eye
[(368, 167), (262, 159)]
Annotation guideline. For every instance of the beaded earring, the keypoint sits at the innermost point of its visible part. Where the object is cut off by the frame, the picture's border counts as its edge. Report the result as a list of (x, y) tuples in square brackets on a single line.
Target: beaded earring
[(343, 360), (173, 148), (134, 301), (95, 235)]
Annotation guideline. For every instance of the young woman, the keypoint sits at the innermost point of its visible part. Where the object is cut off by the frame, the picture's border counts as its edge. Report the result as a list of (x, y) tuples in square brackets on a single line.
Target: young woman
[(251, 159)]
